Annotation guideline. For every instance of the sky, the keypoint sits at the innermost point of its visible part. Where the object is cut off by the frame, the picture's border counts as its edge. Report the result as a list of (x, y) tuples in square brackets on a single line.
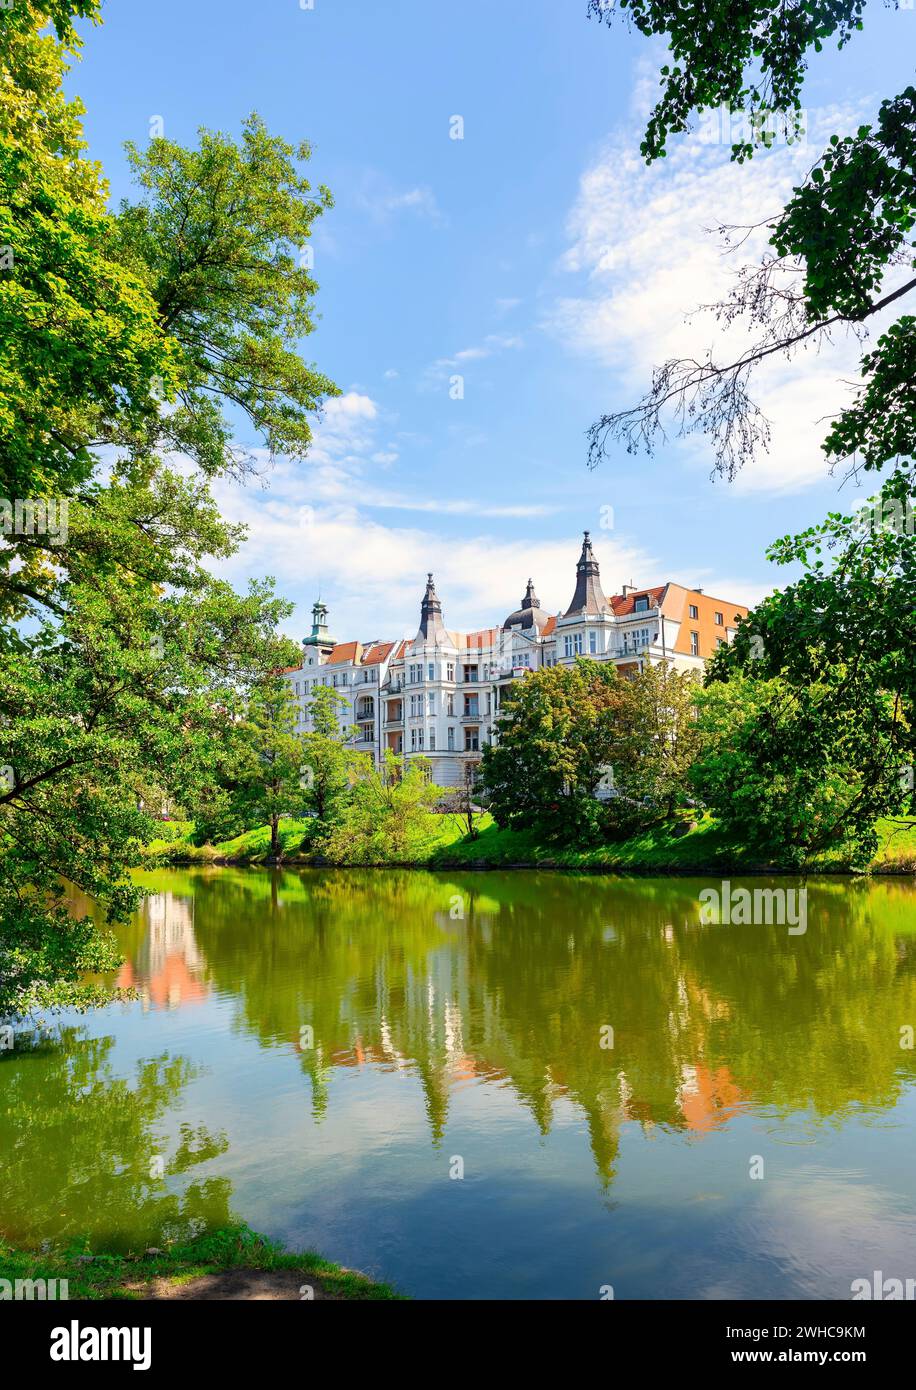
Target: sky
[(537, 257)]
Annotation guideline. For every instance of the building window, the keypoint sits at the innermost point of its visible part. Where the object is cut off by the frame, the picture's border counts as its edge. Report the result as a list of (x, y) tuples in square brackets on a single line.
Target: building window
[(470, 674), (694, 612), (637, 640), (420, 740), (450, 671), (451, 739), (641, 604), (577, 644), (567, 646), (413, 740), (431, 702), (472, 740), (431, 672), (720, 641), (694, 644), (432, 740), (593, 643), (719, 619), (450, 704)]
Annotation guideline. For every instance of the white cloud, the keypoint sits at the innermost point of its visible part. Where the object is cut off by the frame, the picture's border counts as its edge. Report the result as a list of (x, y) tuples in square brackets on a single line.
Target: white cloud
[(643, 248), (373, 575), (491, 346), (377, 197)]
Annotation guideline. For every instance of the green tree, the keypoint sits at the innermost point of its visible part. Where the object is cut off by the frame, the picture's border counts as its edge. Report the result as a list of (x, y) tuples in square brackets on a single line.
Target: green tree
[(330, 763), (80, 340), (123, 661), (840, 251), (271, 783), (811, 711), (389, 813), (128, 686), (839, 644), (557, 735), (658, 737)]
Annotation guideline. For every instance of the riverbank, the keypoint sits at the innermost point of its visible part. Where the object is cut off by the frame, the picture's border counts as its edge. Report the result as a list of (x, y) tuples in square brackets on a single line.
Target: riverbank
[(674, 847), (232, 1263)]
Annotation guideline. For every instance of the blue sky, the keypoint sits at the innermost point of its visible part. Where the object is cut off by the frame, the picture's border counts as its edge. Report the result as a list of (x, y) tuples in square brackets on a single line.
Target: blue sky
[(537, 257)]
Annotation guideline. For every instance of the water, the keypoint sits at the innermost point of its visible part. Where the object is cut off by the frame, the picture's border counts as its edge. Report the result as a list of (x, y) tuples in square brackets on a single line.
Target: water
[(458, 1019)]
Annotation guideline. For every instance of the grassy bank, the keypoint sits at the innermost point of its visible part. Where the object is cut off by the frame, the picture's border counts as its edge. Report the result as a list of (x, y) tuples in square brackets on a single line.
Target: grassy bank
[(106, 1276), (658, 849)]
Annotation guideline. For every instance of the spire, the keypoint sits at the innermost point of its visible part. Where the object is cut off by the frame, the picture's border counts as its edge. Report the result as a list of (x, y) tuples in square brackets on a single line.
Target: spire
[(531, 599), (430, 611), (589, 596), (320, 636)]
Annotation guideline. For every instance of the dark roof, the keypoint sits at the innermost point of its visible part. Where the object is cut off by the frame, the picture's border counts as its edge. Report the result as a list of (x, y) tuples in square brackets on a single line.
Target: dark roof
[(530, 616), (589, 597)]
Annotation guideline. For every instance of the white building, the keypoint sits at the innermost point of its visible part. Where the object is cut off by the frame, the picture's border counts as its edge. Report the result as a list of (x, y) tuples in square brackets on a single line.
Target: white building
[(438, 695)]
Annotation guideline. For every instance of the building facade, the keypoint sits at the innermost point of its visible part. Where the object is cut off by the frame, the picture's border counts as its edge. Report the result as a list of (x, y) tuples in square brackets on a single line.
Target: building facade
[(438, 695)]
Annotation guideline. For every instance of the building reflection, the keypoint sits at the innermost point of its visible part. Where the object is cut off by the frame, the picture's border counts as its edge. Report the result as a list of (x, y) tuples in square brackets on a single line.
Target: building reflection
[(516, 990), (168, 970)]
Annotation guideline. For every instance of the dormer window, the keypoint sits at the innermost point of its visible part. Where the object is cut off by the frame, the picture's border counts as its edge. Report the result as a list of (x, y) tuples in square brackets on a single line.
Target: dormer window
[(641, 604)]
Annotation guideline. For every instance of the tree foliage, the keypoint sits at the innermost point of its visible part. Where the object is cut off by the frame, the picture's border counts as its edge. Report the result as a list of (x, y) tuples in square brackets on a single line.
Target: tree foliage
[(840, 251), (814, 735), (388, 814), (164, 328), (330, 762), (558, 732), (657, 738)]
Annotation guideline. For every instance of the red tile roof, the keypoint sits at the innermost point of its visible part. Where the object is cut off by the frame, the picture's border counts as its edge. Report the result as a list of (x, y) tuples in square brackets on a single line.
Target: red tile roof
[(344, 651), (624, 605), (378, 653)]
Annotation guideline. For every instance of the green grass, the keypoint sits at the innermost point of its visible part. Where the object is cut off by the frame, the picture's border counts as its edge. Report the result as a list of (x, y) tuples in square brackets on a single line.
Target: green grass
[(107, 1276), (656, 849)]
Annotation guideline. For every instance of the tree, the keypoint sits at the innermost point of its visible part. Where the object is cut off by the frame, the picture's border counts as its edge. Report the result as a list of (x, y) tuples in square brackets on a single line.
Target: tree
[(557, 735), (219, 239), (387, 819), (658, 738), (463, 800), (80, 340), (838, 644), (329, 762), (845, 232), (818, 737), (129, 686), (270, 782), (123, 661)]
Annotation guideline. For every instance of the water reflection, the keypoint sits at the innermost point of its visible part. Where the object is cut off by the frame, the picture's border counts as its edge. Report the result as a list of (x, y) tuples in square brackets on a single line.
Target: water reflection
[(511, 979), (86, 1153), (314, 1047)]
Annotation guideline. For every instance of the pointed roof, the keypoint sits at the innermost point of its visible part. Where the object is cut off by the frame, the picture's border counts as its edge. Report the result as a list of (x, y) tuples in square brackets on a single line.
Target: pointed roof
[(529, 614), (589, 599), (430, 611)]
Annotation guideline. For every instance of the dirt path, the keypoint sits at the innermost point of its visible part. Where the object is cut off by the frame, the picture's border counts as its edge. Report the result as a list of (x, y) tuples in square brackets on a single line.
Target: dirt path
[(241, 1284)]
